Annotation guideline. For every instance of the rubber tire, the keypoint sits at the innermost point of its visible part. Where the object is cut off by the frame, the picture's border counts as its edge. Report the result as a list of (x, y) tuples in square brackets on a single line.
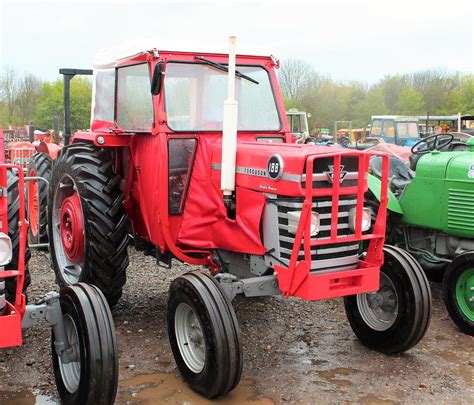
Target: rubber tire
[(13, 218), (456, 268), (223, 366), (98, 383), (41, 164), (105, 221), (414, 311)]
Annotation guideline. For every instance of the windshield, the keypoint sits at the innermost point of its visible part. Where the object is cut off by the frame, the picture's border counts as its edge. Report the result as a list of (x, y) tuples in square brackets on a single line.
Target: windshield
[(407, 130), (195, 94)]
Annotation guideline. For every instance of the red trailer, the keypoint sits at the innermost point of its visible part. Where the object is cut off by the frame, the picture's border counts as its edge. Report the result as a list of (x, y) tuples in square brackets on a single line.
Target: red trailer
[(191, 153)]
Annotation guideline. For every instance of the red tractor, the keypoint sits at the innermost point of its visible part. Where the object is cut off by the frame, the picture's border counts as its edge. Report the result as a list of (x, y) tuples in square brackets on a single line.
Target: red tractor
[(217, 181), (83, 347)]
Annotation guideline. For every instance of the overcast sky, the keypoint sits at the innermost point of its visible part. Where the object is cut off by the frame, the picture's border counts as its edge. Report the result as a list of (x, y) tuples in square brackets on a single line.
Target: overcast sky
[(349, 40)]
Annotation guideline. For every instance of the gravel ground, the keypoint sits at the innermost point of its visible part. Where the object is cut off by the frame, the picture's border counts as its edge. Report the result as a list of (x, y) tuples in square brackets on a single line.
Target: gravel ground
[(294, 351)]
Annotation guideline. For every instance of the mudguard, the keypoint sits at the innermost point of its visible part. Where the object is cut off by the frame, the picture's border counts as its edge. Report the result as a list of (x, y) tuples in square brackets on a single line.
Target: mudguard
[(375, 186)]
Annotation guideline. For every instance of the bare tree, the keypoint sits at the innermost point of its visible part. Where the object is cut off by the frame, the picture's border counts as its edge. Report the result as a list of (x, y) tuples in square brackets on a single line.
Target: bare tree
[(27, 97), (8, 90), (294, 76)]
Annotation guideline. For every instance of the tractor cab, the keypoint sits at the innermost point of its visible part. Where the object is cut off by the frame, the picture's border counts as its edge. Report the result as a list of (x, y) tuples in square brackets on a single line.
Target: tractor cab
[(399, 130)]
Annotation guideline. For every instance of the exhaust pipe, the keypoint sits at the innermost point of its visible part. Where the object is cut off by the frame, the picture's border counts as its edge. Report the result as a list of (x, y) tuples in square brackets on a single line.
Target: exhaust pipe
[(229, 133)]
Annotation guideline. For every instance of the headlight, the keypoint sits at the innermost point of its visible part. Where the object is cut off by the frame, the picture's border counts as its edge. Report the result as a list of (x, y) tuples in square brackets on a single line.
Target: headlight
[(5, 249), (294, 220), (366, 219)]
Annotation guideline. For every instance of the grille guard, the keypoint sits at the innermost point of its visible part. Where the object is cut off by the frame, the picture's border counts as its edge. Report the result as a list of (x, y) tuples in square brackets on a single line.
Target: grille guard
[(296, 279)]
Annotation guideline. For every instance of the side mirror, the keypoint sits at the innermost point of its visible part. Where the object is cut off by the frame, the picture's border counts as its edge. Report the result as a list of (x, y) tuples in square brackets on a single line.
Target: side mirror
[(156, 81)]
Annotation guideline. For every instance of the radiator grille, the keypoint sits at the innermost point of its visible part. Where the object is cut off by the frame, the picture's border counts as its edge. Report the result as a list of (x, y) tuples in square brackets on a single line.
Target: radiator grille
[(461, 209), (324, 257)]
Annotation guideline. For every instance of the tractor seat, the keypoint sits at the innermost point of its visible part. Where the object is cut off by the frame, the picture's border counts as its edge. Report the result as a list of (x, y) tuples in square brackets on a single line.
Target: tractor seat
[(399, 174), (413, 161)]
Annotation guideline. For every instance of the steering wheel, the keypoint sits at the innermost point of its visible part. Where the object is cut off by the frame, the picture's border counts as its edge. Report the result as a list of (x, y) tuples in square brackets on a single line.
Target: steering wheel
[(431, 143)]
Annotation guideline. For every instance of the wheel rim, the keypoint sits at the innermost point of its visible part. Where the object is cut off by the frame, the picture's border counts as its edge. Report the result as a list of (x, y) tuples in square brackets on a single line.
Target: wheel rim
[(68, 230), (190, 338), (71, 372), (465, 294), (379, 309), (33, 203)]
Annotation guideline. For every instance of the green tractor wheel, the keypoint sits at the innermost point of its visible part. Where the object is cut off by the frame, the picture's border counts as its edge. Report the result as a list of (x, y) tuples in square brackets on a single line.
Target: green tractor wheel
[(458, 289)]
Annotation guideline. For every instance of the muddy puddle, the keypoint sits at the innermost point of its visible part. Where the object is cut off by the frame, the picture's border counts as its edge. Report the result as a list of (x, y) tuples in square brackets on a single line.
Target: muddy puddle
[(25, 398), (153, 389), (336, 376)]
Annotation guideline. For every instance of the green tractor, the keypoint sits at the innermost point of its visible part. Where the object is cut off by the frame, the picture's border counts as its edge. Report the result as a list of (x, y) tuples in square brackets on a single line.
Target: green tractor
[(431, 215)]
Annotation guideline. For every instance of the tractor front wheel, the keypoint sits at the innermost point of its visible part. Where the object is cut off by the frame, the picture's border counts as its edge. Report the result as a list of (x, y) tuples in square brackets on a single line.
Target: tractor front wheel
[(396, 317), (91, 374), (458, 291), (86, 220), (204, 335)]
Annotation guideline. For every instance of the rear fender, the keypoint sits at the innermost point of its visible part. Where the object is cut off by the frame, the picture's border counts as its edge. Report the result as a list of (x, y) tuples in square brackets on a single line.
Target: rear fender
[(375, 186), (50, 149)]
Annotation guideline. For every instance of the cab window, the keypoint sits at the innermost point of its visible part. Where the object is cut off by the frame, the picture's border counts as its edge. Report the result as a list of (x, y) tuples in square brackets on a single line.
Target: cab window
[(389, 128), (134, 107), (376, 127)]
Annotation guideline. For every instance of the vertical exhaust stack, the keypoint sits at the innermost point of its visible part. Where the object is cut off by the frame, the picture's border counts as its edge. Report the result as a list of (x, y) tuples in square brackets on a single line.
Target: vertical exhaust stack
[(229, 133)]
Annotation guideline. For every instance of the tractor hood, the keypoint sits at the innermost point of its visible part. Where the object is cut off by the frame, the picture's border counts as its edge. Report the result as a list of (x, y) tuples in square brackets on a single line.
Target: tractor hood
[(279, 168), (457, 166)]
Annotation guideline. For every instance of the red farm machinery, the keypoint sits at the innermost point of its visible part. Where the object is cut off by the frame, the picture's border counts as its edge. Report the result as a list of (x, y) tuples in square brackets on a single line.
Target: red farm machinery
[(191, 155), (83, 348)]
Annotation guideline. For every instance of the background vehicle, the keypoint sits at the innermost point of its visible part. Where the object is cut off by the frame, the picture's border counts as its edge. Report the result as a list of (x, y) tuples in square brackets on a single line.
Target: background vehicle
[(219, 182), (396, 129), (83, 348), (298, 121), (431, 214), (463, 123)]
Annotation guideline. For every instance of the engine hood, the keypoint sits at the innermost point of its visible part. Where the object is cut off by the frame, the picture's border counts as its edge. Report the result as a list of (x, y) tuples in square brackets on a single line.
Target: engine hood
[(458, 166), (461, 167), (255, 165)]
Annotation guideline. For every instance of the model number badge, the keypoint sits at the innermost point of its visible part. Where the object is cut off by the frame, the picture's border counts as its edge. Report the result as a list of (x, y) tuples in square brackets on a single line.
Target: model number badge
[(275, 167)]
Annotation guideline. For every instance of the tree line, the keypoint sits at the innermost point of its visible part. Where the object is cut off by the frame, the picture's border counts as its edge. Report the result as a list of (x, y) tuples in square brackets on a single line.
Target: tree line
[(433, 92), (25, 99)]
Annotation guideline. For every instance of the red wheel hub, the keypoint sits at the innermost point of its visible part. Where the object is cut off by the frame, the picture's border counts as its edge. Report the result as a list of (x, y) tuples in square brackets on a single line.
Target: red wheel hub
[(33, 203), (72, 228)]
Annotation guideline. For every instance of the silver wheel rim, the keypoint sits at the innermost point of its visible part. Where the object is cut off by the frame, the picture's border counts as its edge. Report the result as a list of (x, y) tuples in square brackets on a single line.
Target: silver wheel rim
[(379, 309), (190, 337), (71, 372), (70, 271)]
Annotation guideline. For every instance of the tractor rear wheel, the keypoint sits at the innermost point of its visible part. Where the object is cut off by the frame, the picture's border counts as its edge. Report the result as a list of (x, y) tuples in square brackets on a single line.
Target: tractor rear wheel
[(91, 377), (38, 166), (13, 218), (204, 335), (396, 317), (458, 291), (86, 220)]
